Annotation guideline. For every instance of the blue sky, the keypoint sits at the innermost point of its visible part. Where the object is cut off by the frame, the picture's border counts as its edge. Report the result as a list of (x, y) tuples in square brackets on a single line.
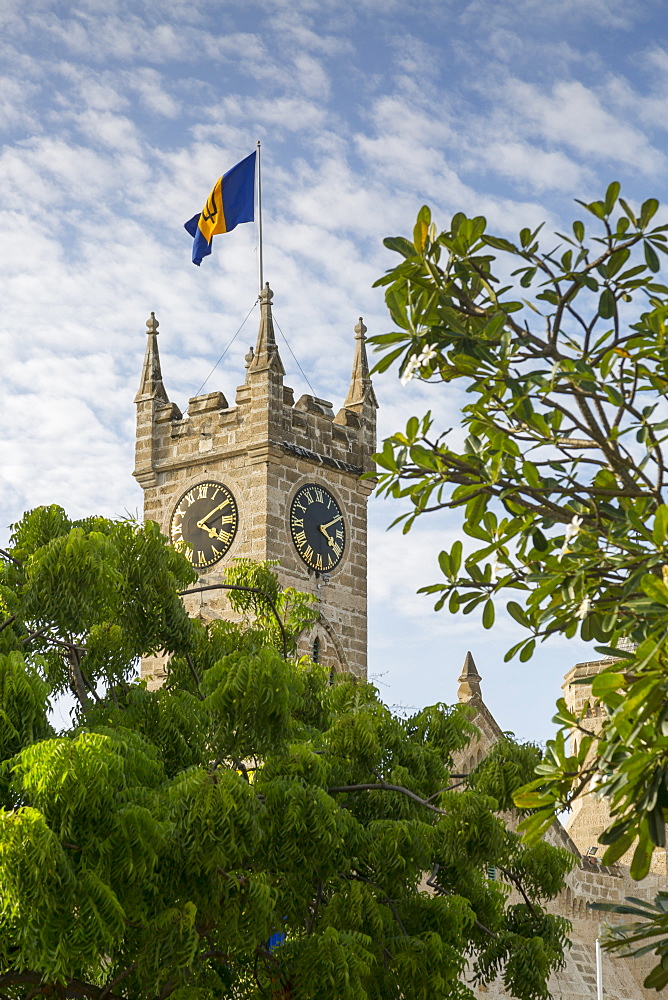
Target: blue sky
[(117, 117)]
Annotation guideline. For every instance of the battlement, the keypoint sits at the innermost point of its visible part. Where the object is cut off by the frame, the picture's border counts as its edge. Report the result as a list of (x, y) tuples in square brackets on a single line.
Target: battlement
[(213, 429)]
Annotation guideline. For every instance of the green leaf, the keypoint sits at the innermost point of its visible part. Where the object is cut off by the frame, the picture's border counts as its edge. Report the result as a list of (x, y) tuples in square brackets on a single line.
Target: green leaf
[(660, 529), (611, 196), (651, 257), (456, 557), (488, 614), (606, 305), (400, 245), (579, 231), (527, 651), (655, 588), (648, 210), (421, 229), (628, 211), (642, 857)]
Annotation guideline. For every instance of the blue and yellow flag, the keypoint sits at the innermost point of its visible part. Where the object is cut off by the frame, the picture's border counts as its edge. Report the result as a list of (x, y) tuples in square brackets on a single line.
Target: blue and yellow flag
[(232, 201)]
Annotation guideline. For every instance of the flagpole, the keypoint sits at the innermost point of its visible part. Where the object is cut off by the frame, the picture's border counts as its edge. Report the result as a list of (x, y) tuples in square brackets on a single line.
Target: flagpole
[(259, 217)]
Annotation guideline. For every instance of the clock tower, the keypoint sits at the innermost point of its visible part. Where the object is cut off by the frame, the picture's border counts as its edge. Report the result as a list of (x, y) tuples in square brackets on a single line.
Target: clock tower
[(266, 478)]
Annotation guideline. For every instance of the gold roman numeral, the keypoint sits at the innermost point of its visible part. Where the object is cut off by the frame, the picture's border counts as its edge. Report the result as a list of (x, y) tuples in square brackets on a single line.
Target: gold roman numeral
[(300, 539)]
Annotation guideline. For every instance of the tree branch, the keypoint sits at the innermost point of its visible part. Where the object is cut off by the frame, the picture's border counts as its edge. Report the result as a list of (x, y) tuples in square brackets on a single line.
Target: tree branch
[(8, 621), (72, 988), (248, 590), (383, 786)]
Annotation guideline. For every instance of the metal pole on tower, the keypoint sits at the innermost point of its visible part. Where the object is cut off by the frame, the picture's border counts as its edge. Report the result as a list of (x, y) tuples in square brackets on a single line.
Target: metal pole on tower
[(259, 218)]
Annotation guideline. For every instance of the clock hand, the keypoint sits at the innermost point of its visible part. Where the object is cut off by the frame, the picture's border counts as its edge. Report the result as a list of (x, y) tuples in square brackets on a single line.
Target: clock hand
[(211, 532), (330, 523), (322, 527), (201, 524)]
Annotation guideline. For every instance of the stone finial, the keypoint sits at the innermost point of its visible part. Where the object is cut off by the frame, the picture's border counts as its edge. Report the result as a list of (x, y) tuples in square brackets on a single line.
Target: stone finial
[(469, 681), (360, 383), (266, 350), (151, 377), (248, 361)]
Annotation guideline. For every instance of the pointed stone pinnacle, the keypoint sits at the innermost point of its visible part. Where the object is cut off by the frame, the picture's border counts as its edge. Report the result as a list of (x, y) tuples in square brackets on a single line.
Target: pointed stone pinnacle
[(469, 681), (151, 378), (360, 383), (266, 349)]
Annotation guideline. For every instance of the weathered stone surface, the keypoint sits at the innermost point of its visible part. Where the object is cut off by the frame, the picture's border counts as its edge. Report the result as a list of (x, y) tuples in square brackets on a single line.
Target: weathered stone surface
[(264, 449)]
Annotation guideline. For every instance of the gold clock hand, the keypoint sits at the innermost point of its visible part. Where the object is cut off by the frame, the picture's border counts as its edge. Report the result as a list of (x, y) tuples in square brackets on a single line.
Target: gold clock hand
[(330, 523), (211, 532), (329, 540), (201, 524)]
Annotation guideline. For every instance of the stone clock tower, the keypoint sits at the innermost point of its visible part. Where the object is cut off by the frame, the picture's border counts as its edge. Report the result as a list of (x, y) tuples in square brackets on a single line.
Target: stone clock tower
[(266, 478)]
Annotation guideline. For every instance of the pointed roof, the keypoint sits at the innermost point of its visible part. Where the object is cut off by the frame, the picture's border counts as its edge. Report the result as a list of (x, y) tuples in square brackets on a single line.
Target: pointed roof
[(266, 350), (469, 681), (361, 388), (151, 377)]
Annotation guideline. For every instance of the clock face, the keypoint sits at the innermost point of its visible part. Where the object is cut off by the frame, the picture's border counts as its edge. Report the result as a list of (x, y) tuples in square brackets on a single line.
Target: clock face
[(204, 523), (317, 527)]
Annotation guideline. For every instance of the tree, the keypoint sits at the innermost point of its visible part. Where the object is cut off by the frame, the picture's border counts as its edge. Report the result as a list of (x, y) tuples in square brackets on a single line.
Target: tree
[(561, 478), (248, 830)]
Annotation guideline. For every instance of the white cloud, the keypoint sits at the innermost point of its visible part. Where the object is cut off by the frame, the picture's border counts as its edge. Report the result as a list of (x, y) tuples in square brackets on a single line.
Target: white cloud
[(573, 115)]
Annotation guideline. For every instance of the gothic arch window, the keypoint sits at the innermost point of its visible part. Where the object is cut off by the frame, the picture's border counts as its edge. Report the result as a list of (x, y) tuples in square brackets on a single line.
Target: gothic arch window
[(315, 655)]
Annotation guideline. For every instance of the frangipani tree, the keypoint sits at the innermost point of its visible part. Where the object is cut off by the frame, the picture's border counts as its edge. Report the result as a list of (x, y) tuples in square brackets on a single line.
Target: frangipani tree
[(560, 346)]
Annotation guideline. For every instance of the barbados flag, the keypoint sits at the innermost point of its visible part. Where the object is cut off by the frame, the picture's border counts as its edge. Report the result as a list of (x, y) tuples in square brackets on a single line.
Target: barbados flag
[(232, 201)]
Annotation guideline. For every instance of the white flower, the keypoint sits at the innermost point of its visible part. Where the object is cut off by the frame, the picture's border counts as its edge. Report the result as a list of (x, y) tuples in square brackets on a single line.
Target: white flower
[(584, 609), (428, 352), (572, 530), (496, 569), (409, 371)]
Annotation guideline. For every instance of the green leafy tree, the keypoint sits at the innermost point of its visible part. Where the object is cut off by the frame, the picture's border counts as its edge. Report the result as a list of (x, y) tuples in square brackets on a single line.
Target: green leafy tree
[(558, 352), (248, 830)]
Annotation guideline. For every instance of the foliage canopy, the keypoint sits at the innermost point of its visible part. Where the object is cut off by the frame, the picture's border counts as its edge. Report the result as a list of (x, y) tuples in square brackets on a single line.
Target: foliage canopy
[(557, 357), (248, 830)]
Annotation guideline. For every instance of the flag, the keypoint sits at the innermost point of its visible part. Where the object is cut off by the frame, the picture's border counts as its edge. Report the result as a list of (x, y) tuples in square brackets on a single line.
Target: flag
[(232, 201)]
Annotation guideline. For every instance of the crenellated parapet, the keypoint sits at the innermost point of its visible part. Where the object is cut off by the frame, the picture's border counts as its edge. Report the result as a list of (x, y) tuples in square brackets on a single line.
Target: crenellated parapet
[(264, 417)]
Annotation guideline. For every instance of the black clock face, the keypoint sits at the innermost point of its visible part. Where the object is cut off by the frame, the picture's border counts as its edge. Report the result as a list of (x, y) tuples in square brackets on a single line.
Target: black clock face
[(204, 523), (317, 527)]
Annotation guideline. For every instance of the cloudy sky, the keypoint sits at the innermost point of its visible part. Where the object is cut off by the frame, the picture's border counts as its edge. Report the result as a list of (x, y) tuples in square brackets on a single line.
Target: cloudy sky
[(118, 116)]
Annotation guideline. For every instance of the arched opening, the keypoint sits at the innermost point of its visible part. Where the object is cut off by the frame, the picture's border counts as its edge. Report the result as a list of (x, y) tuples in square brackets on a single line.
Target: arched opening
[(315, 655)]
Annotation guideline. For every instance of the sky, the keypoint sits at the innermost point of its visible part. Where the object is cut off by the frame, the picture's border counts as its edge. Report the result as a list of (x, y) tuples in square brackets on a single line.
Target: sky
[(116, 118)]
